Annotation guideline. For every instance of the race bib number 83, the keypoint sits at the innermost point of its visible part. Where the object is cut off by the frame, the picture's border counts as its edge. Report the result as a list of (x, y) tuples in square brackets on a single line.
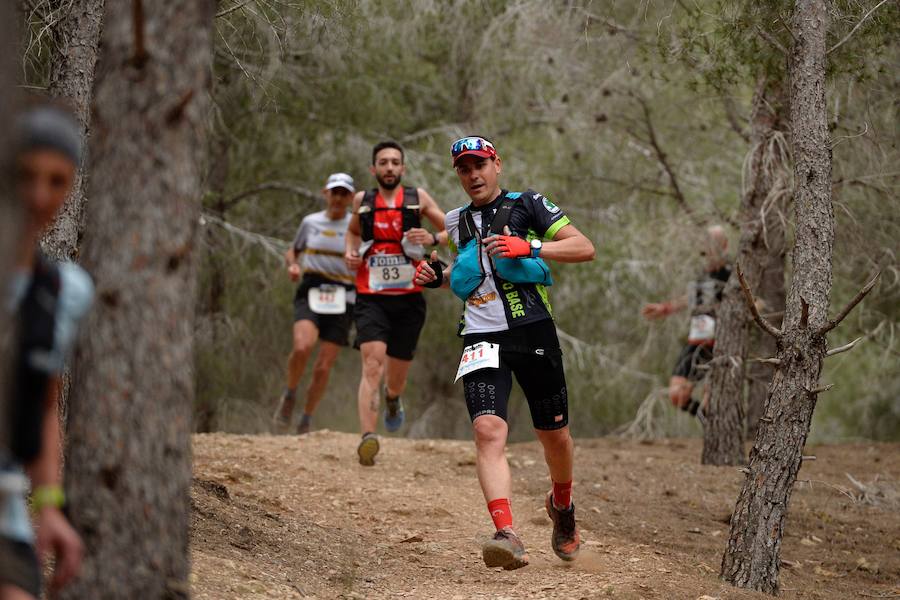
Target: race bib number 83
[(390, 272)]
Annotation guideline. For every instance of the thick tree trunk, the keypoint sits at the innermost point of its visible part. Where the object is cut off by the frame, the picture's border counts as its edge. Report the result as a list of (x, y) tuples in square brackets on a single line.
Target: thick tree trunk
[(128, 467), (752, 556), (772, 294), (77, 38), (10, 212), (723, 434)]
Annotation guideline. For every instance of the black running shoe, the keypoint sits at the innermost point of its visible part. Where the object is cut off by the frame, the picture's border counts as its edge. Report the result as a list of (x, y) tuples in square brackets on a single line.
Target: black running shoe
[(505, 550)]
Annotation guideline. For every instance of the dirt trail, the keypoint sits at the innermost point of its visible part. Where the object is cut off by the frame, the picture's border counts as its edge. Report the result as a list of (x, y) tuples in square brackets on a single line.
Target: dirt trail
[(297, 517)]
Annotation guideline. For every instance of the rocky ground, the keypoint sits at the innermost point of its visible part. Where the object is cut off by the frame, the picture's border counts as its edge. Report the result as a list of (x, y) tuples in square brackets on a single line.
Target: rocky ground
[(297, 517)]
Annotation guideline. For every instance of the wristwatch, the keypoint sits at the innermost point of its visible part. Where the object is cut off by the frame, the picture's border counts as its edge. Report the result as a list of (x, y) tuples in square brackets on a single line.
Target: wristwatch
[(536, 246)]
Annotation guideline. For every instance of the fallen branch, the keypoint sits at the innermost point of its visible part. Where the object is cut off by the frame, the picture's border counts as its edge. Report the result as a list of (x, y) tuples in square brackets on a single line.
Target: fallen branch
[(844, 348), (751, 302), (850, 305)]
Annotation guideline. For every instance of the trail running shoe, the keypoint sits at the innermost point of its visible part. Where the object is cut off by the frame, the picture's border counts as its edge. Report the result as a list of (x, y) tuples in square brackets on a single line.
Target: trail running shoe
[(505, 550), (304, 425), (281, 420), (394, 415), (566, 542), (367, 449)]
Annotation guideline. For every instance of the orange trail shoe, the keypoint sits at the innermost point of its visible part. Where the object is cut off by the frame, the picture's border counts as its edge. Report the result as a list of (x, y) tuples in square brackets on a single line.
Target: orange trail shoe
[(505, 550), (566, 542)]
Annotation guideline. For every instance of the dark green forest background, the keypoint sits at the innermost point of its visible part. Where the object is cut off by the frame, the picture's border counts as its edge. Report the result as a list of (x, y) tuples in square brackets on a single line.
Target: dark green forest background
[(628, 115)]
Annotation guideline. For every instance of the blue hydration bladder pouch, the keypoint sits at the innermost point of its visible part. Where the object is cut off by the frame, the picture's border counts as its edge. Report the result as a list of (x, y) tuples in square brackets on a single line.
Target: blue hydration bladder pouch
[(468, 272), (523, 270)]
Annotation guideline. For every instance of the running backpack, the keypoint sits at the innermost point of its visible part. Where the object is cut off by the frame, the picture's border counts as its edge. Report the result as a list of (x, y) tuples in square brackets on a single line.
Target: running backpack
[(468, 272), (410, 215)]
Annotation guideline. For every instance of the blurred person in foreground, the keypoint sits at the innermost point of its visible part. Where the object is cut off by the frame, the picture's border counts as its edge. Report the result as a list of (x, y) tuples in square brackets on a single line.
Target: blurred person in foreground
[(46, 300), (702, 298), (323, 303)]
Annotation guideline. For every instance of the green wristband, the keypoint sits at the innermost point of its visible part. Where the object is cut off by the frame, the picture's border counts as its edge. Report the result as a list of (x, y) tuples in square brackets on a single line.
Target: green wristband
[(45, 496)]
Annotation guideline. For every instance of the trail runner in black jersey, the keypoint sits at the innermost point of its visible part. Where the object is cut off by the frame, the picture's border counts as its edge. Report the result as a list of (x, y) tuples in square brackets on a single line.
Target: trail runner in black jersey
[(701, 298), (507, 331)]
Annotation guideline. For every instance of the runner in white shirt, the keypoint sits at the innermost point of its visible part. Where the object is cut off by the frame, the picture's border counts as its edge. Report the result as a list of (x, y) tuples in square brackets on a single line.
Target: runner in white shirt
[(323, 304)]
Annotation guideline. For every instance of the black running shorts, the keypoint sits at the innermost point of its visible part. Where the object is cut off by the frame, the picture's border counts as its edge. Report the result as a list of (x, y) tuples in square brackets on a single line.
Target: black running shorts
[(332, 328), (691, 357), (19, 566), (394, 320), (531, 353)]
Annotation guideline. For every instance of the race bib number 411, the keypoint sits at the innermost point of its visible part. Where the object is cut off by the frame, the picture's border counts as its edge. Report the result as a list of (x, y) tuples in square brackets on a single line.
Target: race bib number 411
[(482, 355), (390, 272)]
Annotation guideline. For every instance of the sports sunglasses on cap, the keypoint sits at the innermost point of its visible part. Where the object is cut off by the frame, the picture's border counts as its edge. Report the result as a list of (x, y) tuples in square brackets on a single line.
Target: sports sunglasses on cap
[(473, 145)]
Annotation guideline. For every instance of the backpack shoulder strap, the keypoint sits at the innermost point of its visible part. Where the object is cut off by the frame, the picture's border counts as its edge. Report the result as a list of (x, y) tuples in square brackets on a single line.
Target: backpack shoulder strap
[(411, 208), (467, 226), (366, 214), (501, 219)]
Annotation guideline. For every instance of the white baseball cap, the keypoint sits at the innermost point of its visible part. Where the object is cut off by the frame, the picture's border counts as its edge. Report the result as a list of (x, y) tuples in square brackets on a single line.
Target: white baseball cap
[(340, 180)]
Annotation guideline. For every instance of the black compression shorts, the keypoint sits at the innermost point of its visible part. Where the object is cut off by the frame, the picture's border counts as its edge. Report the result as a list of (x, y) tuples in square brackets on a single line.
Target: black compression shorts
[(394, 320), (531, 353), (691, 357), (332, 328), (19, 566)]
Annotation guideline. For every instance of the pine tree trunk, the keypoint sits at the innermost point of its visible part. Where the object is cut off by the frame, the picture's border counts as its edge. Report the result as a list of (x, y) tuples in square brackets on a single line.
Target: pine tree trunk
[(10, 212), (128, 468), (77, 37), (772, 294), (723, 434), (752, 556)]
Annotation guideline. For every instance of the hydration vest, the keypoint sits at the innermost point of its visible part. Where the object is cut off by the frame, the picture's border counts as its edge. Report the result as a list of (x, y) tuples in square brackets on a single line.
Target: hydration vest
[(36, 329), (468, 271), (410, 213)]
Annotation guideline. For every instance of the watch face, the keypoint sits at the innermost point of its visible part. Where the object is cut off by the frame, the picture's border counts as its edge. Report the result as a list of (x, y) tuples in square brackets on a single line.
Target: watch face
[(535, 243)]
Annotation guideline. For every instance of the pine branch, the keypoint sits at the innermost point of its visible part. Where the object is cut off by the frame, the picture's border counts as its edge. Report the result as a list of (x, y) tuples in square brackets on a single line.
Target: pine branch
[(267, 187), (850, 305), (858, 25), (751, 302), (844, 348)]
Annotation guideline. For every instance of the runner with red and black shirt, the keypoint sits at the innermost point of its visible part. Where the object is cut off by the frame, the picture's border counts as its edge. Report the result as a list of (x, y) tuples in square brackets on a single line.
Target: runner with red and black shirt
[(385, 242)]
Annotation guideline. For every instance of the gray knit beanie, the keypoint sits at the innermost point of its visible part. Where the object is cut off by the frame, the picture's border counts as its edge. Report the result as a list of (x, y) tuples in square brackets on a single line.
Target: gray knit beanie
[(49, 127)]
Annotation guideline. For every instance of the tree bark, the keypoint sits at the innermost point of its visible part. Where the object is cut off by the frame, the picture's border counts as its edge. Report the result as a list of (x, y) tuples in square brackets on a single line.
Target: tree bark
[(752, 556), (723, 433), (772, 294), (10, 211), (77, 38), (128, 466)]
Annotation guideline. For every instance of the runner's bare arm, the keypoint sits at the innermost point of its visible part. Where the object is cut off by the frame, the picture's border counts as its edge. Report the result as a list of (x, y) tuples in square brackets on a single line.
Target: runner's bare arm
[(659, 310), (430, 209), (569, 246), (293, 269), (353, 239)]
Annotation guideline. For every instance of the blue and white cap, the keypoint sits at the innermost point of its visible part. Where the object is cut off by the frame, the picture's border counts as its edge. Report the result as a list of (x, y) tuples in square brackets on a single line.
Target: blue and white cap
[(343, 180)]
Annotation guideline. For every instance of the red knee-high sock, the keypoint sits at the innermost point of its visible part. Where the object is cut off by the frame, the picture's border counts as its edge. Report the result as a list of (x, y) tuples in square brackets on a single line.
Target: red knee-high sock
[(562, 494), (501, 513)]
